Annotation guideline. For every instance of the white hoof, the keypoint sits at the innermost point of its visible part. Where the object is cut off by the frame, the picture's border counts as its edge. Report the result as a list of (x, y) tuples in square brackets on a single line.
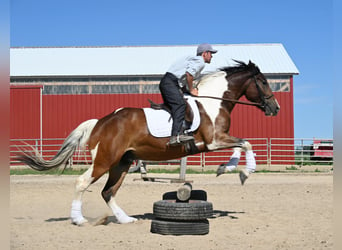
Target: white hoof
[(243, 176), (79, 221), (126, 220)]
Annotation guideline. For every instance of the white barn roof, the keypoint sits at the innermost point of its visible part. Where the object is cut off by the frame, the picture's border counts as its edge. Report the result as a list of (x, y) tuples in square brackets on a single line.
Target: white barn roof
[(139, 60)]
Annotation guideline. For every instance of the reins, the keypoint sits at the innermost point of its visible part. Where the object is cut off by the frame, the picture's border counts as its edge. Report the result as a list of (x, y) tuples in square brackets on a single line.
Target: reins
[(242, 102), (230, 100)]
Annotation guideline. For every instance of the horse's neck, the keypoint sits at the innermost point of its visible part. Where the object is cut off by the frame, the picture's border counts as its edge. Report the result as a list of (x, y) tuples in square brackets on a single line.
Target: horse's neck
[(237, 86), (213, 85)]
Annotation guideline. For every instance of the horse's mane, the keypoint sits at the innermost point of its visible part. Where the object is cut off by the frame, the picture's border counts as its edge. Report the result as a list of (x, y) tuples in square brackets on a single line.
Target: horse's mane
[(229, 70), (241, 67)]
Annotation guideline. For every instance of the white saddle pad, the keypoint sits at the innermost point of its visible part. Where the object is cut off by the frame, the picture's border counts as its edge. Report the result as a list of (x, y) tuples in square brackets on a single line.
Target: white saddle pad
[(159, 122)]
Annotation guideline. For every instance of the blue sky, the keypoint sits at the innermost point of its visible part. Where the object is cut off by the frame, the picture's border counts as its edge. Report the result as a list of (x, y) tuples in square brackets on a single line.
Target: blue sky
[(304, 27)]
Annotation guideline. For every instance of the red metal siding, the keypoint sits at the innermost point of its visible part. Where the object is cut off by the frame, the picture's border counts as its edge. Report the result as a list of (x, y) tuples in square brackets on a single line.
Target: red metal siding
[(25, 112), (62, 113), (250, 122)]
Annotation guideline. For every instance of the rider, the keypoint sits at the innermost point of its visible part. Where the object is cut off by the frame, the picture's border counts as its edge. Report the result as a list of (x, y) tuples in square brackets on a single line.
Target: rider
[(179, 79)]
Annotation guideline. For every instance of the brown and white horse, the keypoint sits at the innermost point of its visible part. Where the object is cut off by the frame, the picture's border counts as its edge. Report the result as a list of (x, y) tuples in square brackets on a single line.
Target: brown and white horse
[(123, 136)]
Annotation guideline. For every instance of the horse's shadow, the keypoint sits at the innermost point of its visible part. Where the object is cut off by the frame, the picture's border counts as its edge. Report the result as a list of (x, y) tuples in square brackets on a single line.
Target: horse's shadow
[(57, 219), (219, 213), (105, 220)]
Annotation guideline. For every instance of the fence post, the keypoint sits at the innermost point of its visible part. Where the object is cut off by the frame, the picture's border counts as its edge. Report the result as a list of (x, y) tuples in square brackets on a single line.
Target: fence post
[(37, 147), (182, 168), (302, 155), (269, 153)]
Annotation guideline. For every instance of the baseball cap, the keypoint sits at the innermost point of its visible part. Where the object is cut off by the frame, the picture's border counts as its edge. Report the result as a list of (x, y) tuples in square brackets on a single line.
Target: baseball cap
[(205, 47)]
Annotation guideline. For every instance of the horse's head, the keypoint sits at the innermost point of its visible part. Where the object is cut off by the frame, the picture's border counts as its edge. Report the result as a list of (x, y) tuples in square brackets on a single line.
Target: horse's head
[(254, 86), (259, 91)]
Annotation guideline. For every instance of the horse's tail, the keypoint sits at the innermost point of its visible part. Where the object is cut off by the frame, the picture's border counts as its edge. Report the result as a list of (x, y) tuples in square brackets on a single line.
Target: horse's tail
[(78, 138)]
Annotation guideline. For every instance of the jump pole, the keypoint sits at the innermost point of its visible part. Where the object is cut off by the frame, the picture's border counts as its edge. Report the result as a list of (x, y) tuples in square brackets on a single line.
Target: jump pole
[(181, 178)]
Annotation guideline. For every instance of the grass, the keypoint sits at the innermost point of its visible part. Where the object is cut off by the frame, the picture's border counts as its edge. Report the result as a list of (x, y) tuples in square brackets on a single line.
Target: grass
[(67, 171), (291, 168), (70, 171)]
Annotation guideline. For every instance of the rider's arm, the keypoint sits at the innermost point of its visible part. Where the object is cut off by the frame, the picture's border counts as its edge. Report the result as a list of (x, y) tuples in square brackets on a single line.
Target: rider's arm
[(190, 80)]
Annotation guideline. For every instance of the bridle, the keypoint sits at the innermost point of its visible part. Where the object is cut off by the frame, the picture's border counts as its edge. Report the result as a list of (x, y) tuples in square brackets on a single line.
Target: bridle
[(262, 96)]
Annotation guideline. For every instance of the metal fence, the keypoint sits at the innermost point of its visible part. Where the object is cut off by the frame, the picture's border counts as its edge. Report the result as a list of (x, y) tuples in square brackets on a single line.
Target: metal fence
[(273, 151)]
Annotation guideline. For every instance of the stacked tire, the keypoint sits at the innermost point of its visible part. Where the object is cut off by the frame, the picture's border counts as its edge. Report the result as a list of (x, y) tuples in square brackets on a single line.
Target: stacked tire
[(175, 217)]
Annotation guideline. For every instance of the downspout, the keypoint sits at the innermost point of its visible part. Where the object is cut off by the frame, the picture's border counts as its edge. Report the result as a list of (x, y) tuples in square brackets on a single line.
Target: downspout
[(41, 120)]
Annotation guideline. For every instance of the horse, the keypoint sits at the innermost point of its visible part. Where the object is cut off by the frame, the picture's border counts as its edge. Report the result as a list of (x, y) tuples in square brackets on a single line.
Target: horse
[(122, 136)]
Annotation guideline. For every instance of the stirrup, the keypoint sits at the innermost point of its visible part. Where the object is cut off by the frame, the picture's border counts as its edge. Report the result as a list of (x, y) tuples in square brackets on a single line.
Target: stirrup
[(179, 139)]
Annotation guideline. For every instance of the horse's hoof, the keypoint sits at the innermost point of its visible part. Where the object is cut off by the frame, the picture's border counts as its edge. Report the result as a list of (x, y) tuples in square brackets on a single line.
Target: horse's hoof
[(243, 176), (127, 220), (221, 170), (79, 222)]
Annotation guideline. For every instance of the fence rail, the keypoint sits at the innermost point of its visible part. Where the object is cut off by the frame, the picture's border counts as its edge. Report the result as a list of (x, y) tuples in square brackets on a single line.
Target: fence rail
[(268, 151)]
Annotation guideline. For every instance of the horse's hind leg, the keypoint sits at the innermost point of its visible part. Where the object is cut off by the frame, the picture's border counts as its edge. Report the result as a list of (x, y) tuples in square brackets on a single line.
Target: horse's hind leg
[(115, 179), (82, 183)]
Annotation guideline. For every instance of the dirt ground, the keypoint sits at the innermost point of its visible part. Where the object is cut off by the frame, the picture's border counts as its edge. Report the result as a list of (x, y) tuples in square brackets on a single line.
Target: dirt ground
[(271, 211)]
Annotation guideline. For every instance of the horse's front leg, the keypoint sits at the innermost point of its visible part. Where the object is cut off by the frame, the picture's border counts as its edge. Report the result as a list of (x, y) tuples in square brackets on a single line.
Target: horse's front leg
[(232, 164), (235, 158)]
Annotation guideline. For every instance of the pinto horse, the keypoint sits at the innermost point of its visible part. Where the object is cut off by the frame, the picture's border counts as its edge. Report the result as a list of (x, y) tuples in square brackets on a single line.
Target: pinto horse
[(121, 137)]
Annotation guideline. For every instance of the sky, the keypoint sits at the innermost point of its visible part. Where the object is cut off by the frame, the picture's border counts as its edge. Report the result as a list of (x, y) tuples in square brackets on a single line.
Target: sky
[(304, 27)]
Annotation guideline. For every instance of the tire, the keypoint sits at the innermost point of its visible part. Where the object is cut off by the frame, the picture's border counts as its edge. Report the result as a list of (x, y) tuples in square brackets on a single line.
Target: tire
[(180, 227), (181, 211), (200, 195)]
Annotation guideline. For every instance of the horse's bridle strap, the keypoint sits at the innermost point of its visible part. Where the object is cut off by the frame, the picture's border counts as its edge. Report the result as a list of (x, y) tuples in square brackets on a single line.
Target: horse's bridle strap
[(230, 100), (261, 94)]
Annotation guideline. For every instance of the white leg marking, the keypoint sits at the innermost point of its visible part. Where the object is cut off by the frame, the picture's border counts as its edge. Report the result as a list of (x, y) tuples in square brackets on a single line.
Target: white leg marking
[(251, 164), (120, 215), (82, 183)]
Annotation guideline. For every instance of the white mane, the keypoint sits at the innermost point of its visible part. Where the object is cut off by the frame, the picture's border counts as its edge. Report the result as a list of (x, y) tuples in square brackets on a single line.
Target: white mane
[(213, 84)]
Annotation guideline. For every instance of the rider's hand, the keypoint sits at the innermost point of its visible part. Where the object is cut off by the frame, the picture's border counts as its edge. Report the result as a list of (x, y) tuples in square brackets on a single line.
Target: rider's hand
[(194, 92)]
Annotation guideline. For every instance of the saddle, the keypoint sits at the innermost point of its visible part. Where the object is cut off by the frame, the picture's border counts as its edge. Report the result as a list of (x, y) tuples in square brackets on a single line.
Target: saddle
[(189, 114)]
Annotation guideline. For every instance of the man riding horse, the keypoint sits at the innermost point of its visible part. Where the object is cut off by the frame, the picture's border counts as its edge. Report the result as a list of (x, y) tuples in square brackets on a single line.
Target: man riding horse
[(178, 79), (121, 137)]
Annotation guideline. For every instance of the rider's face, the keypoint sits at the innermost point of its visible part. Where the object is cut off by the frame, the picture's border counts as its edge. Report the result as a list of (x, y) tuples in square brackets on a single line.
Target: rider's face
[(207, 56)]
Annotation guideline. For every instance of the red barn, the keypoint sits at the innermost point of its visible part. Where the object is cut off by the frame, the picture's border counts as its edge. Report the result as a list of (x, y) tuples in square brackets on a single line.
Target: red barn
[(55, 89)]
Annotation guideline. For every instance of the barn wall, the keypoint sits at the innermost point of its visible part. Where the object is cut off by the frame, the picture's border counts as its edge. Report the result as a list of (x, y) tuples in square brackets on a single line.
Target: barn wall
[(62, 113), (250, 122), (25, 112)]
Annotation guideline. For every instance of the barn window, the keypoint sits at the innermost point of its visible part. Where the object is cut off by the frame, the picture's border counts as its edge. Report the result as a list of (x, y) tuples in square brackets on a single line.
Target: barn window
[(279, 83), (65, 89), (115, 89)]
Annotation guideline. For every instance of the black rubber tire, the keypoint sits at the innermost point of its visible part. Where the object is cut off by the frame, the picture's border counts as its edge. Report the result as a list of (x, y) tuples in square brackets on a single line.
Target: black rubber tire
[(180, 227), (182, 211), (200, 195)]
